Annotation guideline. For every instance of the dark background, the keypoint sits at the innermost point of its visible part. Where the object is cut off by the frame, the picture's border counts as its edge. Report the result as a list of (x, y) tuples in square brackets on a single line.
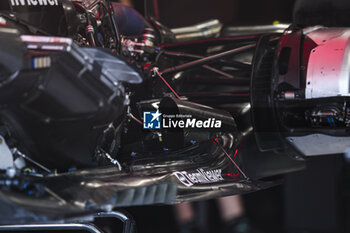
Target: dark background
[(233, 12), (179, 13), (316, 200)]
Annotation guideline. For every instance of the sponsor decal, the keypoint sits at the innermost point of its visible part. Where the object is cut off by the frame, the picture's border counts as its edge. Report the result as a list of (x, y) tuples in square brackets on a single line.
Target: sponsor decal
[(46, 39), (201, 176), (157, 120), (34, 2)]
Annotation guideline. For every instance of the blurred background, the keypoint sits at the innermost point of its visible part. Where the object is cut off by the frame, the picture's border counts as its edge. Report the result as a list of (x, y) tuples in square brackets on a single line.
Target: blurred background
[(316, 200), (181, 13)]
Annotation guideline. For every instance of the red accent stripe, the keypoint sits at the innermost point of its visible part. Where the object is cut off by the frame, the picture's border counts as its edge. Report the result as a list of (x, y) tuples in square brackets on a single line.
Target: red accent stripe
[(236, 152), (156, 9), (166, 83)]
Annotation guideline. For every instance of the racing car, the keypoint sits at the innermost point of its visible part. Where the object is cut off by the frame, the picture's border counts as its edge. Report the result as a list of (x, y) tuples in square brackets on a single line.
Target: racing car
[(101, 108)]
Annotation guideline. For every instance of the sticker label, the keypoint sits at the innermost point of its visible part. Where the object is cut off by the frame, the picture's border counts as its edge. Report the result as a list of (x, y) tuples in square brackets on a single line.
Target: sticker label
[(199, 177)]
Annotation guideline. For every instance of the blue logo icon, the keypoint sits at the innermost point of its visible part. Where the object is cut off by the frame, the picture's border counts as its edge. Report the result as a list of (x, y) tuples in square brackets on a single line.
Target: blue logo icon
[(151, 120)]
